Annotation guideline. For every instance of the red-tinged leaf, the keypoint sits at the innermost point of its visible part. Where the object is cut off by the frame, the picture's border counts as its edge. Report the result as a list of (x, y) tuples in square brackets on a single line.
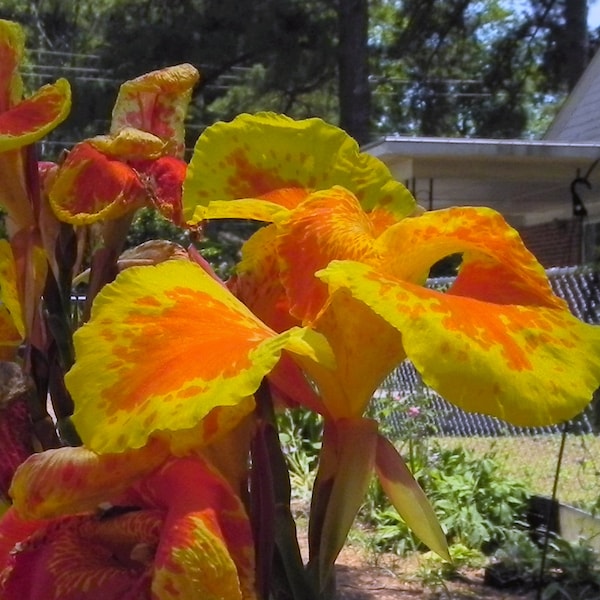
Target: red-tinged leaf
[(408, 498), (345, 470)]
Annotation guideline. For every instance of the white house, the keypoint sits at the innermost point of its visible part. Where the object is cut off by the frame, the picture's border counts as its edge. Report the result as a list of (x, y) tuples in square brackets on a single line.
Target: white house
[(539, 186)]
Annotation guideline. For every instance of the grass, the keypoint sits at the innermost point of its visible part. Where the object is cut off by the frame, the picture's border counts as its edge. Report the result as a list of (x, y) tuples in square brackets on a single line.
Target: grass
[(533, 460)]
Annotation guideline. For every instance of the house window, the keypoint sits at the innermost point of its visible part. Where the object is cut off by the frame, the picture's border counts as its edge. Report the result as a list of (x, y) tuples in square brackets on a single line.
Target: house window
[(591, 242)]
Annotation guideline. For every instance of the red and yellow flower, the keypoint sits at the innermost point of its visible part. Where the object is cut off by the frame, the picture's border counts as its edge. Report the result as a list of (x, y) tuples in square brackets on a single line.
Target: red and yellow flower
[(125, 525), (139, 162)]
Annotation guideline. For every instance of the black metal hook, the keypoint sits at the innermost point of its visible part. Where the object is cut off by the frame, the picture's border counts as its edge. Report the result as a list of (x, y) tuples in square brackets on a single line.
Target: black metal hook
[(579, 209)]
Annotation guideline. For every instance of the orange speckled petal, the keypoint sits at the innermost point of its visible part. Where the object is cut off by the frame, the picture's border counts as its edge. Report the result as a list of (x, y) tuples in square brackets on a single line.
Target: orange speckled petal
[(167, 344), (257, 280), (328, 225), (528, 365), (91, 186), (157, 102), (33, 118), (497, 267), (254, 155), (70, 480)]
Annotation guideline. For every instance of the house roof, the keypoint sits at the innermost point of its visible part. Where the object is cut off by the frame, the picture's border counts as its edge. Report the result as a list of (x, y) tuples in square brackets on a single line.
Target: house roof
[(578, 118), (528, 181)]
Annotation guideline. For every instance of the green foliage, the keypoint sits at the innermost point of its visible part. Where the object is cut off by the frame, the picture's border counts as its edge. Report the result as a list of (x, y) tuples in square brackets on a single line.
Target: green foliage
[(475, 504), (149, 224), (300, 433), (571, 570), (461, 67), (434, 571)]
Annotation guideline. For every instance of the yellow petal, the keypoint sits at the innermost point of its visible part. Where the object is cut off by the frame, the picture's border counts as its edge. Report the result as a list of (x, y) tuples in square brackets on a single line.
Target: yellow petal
[(366, 349), (496, 265), (201, 567), (529, 365), (130, 144), (206, 548), (9, 293), (167, 344), (255, 155)]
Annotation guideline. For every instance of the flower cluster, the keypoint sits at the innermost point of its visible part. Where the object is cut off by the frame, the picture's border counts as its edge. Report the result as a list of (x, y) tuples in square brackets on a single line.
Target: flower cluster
[(174, 485)]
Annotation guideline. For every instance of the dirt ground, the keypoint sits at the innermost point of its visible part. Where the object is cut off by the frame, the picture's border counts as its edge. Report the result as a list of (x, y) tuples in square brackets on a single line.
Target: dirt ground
[(358, 580), (394, 578)]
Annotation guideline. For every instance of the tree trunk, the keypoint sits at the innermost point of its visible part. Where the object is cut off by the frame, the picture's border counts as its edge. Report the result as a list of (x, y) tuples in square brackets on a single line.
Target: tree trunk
[(353, 64), (576, 40)]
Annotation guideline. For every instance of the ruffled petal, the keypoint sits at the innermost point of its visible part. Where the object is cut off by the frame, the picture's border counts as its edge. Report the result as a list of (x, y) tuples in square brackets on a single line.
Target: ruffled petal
[(130, 144), (31, 119), (496, 265), (71, 480), (255, 155), (168, 344), (157, 102), (91, 186), (528, 365)]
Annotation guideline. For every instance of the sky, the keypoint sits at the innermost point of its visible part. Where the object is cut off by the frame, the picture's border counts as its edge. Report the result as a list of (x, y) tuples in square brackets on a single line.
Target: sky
[(594, 14)]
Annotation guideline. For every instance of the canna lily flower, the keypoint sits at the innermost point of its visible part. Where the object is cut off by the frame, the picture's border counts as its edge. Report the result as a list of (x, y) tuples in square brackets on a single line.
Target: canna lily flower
[(22, 122), (167, 529), (351, 265), (139, 162)]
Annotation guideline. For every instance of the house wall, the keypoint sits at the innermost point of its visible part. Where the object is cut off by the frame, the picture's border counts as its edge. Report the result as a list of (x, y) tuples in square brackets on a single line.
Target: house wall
[(557, 243)]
